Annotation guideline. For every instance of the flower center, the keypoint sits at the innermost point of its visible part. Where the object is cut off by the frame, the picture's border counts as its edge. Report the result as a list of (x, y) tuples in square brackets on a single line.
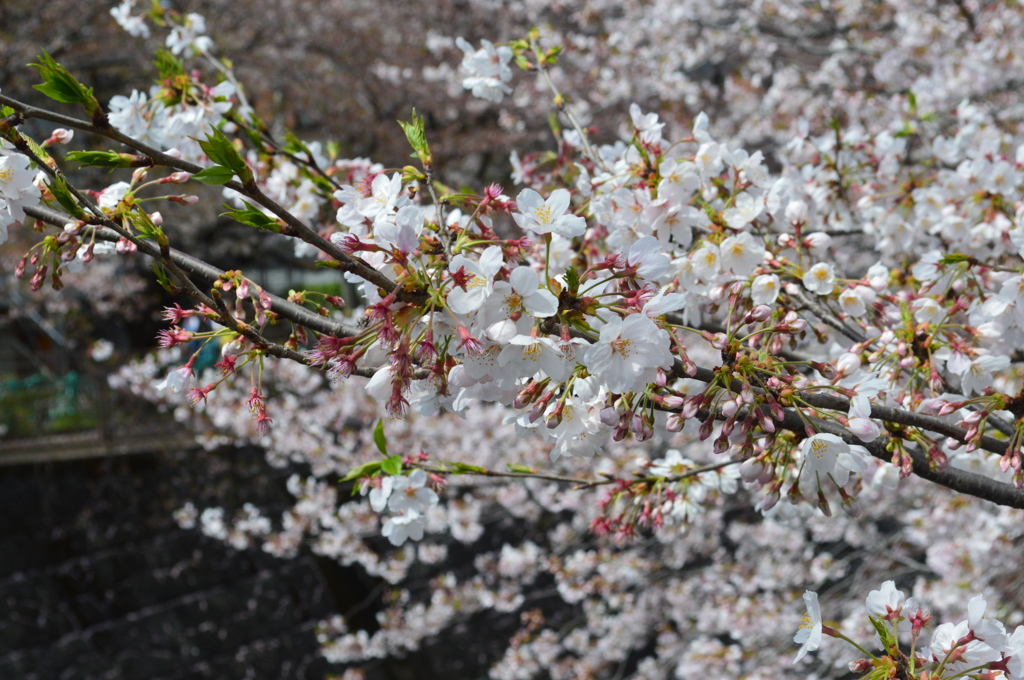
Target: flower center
[(6, 174), (623, 346), (542, 215)]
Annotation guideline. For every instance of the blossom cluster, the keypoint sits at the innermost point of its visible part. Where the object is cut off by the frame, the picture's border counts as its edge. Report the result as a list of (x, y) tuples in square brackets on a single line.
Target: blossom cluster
[(812, 323)]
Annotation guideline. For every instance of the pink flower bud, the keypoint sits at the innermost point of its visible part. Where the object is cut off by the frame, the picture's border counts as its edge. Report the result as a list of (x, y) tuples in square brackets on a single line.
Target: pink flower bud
[(751, 469)]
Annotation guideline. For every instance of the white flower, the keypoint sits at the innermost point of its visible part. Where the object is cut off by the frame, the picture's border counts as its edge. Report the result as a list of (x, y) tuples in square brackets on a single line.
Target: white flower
[(627, 352), (646, 258), (927, 310), (189, 34), (985, 628), (176, 379), (485, 71), (1015, 650), (403, 234), (820, 279), (859, 420), (671, 465), (646, 124), (978, 374), (855, 301), (16, 188), (528, 355), (542, 217), (741, 253), (809, 635), (521, 294), (888, 600), (744, 211), (379, 494), (765, 289), (706, 262), (975, 653), (479, 282), (400, 528), (826, 455), (135, 26), (411, 494), (384, 193)]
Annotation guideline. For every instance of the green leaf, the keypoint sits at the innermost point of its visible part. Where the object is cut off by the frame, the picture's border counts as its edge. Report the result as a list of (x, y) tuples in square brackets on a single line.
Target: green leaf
[(216, 174), (168, 65), (466, 468), (572, 280), (954, 258), (144, 224), (379, 439), (253, 217), (59, 188), (161, 277), (60, 85), (364, 470), (515, 467), (415, 132), (392, 465), (221, 151), (101, 159)]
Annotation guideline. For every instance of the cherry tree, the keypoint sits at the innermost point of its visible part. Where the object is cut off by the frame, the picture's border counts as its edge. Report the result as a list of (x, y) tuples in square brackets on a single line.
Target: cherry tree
[(708, 365)]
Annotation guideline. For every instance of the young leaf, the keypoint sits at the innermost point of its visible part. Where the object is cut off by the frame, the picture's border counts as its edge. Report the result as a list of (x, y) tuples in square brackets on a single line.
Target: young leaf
[(364, 470), (167, 65), (216, 174), (60, 85), (102, 159), (379, 439), (415, 132), (60, 191), (251, 216), (392, 465)]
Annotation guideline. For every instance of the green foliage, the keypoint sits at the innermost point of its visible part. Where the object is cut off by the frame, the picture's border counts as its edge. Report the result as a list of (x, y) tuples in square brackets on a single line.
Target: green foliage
[(103, 159), (379, 439), (415, 132), (221, 151), (251, 216), (215, 174), (167, 65), (60, 85), (59, 188)]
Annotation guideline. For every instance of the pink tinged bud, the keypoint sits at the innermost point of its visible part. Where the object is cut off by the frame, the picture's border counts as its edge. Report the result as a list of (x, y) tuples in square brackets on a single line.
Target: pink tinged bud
[(758, 313), (265, 301), (691, 407), (689, 367), (674, 402), (729, 409), (705, 428), (38, 277), (771, 499), (88, 255), (719, 341), (768, 474), (609, 416), (139, 175), (157, 218), (19, 270), (751, 469), (766, 423), (787, 240), (176, 178), (243, 289), (674, 423), (62, 136), (721, 445), (173, 153), (847, 364), (186, 199)]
